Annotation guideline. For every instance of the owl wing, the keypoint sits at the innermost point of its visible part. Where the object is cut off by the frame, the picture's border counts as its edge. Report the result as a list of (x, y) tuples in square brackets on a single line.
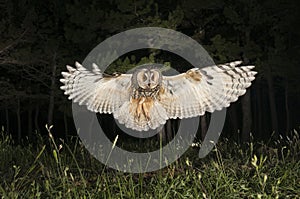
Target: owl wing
[(211, 88), (100, 94)]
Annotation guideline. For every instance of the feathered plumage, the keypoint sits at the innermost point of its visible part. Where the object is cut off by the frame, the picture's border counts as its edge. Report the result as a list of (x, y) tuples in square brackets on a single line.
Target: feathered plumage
[(146, 99)]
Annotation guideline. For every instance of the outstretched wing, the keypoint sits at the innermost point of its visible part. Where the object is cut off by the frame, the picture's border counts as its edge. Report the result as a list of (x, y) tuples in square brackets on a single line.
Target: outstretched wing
[(100, 94), (211, 88)]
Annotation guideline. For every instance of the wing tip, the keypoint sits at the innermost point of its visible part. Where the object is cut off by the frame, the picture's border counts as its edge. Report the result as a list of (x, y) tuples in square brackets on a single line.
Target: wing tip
[(78, 65)]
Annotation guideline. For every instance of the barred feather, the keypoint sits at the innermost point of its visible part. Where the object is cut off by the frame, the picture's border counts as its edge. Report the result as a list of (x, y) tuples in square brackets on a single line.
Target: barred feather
[(100, 94), (186, 96)]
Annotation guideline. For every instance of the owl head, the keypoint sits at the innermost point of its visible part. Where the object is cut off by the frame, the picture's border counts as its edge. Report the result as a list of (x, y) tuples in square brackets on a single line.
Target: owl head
[(147, 78)]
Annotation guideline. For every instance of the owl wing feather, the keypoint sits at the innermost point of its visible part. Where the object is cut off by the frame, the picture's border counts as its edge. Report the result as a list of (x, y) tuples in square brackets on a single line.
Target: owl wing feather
[(208, 89), (100, 94)]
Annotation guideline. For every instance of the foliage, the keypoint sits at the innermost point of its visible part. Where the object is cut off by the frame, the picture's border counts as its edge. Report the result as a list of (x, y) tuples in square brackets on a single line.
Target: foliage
[(64, 169)]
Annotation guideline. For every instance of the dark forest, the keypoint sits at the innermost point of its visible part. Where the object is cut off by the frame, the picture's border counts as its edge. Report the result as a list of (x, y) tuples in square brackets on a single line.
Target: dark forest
[(38, 39)]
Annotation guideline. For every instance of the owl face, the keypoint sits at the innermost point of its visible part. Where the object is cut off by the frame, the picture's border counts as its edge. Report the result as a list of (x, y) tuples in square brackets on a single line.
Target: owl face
[(148, 79)]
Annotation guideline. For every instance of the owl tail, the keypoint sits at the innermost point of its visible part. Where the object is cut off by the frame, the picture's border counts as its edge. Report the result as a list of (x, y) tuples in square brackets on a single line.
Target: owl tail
[(141, 116)]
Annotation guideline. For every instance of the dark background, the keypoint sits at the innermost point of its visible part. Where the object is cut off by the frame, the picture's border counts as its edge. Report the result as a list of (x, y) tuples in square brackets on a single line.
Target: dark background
[(38, 38)]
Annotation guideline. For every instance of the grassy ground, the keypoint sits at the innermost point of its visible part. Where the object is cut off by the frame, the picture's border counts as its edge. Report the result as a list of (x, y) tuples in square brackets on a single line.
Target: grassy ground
[(54, 169)]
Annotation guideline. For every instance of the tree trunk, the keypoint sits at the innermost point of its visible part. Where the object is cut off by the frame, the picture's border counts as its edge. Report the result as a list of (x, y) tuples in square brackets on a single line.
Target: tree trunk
[(247, 116), (287, 108), (52, 92), (233, 119), (36, 118), (272, 101), (175, 124), (66, 124), (166, 133), (203, 126), (19, 120), (246, 99), (7, 119), (30, 121), (169, 130), (259, 111)]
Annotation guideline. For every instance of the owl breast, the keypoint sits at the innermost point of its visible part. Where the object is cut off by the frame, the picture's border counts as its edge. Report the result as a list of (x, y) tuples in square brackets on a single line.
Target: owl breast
[(140, 92), (142, 102), (146, 84)]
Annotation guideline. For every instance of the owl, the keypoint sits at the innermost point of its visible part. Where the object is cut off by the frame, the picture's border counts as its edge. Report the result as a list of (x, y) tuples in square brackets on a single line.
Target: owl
[(146, 99)]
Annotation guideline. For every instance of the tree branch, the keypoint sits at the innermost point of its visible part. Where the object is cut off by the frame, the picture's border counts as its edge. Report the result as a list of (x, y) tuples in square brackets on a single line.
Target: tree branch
[(15, 42)]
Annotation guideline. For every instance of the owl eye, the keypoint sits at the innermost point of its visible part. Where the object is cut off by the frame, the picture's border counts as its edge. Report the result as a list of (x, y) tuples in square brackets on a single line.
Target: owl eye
[(152, 77), (155, 75), (145, 77)]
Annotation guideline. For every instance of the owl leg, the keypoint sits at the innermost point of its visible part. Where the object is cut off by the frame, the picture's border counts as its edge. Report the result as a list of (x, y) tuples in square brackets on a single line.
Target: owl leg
[(146, 111), (147, 105), (139, 109)]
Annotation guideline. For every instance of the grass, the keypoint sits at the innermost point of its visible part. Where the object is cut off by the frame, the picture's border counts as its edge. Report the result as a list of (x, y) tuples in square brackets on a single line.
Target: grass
[(53, 168)]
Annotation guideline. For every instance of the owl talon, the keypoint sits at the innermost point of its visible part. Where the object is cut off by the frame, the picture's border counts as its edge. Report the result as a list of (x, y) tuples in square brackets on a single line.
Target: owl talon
[(148, 123)]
